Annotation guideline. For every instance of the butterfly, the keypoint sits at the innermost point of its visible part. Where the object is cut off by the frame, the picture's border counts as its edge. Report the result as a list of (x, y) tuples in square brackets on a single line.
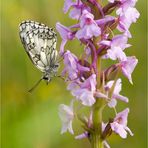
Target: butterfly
[(39, 42)]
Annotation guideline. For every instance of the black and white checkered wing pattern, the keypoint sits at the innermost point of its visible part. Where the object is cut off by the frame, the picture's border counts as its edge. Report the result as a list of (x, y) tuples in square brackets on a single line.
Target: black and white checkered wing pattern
[(39, 42)]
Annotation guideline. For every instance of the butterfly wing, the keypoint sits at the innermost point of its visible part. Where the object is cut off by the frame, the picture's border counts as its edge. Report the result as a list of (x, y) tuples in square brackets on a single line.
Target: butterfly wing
[(39, 42)]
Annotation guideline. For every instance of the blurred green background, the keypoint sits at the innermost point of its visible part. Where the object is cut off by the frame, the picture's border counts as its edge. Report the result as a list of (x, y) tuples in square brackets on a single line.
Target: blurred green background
[(31, 120)]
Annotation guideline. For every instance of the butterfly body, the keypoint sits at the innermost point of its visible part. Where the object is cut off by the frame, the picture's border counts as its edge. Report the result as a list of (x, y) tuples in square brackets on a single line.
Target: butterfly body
[(39, 42)]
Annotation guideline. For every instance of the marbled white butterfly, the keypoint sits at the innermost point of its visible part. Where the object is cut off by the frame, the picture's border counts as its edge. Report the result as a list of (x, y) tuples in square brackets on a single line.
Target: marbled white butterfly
[(39, 42)]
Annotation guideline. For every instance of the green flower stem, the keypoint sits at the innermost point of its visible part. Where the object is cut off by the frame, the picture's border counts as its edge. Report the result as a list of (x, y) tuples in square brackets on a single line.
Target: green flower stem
[(97, 124), (96, 140)]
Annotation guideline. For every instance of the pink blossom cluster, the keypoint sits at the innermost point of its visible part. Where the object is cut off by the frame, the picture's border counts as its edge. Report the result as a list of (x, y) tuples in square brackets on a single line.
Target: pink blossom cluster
[(103, 36)]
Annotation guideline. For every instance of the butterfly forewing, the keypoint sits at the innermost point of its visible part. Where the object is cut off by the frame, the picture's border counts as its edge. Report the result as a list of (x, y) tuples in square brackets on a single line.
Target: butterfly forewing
[(39, 42)]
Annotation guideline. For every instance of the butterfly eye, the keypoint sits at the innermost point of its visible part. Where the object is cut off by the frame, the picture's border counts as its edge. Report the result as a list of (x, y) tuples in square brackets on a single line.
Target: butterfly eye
[(46, 77)]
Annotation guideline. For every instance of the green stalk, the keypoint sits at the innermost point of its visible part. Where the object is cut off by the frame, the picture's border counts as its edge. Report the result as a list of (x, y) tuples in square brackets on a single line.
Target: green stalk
[(96, 140), (97, 124)]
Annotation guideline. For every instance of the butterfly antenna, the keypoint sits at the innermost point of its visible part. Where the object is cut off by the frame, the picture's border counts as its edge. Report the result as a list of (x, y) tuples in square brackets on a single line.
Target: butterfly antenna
[(36, 84)]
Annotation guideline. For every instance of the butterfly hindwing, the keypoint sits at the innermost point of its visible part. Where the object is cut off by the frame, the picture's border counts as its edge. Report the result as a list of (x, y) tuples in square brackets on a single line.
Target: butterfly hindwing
[(39, 42)]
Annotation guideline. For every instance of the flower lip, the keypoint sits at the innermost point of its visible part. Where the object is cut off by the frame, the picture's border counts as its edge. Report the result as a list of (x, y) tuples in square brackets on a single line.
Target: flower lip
[(66, 115), (64, 31), (128, 67), (88, 26), (119, 125)]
